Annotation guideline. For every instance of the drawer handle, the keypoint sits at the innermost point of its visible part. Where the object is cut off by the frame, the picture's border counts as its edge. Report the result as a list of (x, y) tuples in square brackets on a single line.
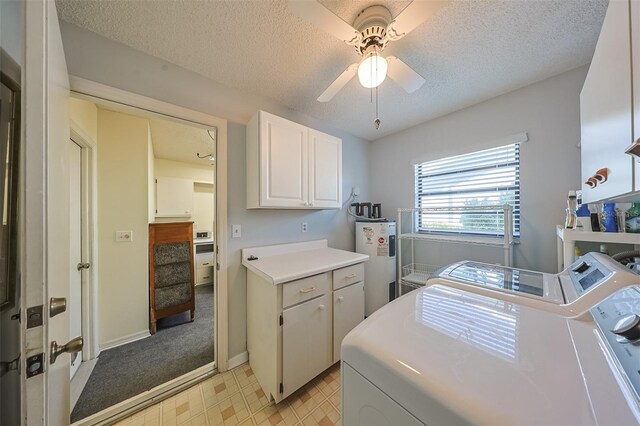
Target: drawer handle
[(321, 307), (307, 290), (205, 264), (346, 277)]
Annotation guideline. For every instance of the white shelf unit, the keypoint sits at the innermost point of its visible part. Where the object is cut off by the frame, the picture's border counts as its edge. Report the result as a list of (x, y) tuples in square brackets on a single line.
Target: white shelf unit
[(415, 275), (566, 241)]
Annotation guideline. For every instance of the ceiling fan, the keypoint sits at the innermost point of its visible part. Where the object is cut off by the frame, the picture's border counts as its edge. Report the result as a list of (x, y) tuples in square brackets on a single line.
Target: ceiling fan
[(372, 30)]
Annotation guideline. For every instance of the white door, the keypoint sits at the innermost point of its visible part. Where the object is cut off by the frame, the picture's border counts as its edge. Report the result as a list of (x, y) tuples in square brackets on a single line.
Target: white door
[(348, 311), (284, 170), (75, 248), (325, 170), (306, 342), (44, 237)]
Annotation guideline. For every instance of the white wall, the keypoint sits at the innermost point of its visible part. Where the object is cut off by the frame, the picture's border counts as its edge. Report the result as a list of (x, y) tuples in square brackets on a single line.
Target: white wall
[(203, 197), (549, 164), (123, 280), (98, 59)]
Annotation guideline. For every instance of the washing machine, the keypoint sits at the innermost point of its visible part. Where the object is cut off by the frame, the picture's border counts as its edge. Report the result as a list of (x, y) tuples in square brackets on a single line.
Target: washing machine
[(446, 355), (571, 293)]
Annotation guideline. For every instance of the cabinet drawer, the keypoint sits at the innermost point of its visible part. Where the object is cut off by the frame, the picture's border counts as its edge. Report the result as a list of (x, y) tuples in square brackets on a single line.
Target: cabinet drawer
[(204, 275), (307, 288), (204, 260), (349, 275)]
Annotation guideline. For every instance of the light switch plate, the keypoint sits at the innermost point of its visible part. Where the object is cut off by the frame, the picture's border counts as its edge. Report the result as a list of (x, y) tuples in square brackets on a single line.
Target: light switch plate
[(236, 231), (124, 236)]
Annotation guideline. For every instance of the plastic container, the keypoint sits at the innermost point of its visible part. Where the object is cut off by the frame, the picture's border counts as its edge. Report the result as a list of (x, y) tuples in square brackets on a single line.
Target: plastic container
[(632, 223)]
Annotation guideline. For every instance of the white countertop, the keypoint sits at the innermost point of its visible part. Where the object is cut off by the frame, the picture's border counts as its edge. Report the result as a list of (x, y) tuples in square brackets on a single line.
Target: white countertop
[(287, 262)]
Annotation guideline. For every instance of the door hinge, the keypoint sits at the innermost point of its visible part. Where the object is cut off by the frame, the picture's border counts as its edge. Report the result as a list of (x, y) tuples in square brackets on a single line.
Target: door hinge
[(281, 388), (217, 266), (281, 320)]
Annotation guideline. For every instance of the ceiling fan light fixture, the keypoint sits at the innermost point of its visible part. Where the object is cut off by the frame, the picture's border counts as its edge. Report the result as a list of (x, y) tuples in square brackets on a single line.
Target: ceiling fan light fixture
[(373, 69)]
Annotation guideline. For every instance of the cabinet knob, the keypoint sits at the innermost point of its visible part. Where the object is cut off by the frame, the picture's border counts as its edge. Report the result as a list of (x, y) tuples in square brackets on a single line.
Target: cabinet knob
[(310, 204), (321, 307), (340, 298)]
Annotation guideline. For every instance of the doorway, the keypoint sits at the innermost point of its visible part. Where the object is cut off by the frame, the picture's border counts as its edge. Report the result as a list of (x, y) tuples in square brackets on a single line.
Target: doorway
[(137, 153)]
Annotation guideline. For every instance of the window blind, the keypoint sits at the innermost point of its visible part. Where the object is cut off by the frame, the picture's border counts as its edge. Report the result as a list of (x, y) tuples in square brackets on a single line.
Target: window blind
[(481, 178)]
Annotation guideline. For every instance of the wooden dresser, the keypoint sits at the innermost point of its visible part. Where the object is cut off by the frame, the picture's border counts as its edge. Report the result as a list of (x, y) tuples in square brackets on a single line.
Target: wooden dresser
[(171, 280)]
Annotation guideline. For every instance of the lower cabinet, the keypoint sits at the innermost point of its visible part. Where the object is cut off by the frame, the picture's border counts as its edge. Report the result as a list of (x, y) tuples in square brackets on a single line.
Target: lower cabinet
[(348, 311), (295, 329), (306, 341)]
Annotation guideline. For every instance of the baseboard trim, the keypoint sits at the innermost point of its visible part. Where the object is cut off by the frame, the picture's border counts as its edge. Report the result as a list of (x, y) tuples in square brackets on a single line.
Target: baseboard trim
[(117, 412), (124, 340), (238, 360)]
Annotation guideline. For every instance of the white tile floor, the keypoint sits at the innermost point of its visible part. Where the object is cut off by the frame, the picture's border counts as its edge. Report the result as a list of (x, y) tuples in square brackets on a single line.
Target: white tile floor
[(235, 398)]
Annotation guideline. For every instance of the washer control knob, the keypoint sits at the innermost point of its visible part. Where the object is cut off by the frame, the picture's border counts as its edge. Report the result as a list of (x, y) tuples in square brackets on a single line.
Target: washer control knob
[(628, 327), (580, 267)]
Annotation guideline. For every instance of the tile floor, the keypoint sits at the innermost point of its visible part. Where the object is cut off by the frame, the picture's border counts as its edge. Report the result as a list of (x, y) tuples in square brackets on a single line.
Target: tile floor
[(235, 398)]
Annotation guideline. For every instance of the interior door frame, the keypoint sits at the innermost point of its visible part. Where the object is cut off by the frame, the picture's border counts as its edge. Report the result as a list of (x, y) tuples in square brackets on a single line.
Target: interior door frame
[(141, 105), (89, 206)]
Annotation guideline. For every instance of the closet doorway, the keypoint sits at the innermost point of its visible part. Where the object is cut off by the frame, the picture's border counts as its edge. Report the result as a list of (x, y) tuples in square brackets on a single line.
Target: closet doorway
[(149, 170)]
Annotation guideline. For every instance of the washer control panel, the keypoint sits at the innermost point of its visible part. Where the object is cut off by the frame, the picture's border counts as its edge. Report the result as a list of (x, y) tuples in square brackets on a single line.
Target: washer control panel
[(587, 272), (618, 318)]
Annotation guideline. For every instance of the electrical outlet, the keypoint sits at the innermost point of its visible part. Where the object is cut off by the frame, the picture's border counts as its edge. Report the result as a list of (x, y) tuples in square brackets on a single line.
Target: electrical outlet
[(304, 227), (236, 231), (124, 236)]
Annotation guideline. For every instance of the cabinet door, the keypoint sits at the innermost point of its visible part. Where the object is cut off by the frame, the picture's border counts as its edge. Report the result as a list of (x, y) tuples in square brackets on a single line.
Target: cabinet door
[(605, 108), (348, 311), (284, 157), (635, 57), (325, 165), (174, 197), (306, 342)]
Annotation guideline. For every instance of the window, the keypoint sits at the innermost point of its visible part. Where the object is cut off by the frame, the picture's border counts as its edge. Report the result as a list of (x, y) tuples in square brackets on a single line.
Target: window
[(487, 177)]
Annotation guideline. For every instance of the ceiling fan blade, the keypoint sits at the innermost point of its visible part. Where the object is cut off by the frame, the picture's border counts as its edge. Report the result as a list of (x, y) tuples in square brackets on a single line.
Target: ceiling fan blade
[(413, 15), (324, 19), (338, 83), (404, 75)]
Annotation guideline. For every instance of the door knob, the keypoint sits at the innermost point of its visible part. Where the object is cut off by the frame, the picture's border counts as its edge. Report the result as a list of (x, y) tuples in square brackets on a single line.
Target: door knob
[(57, 305), (82, 266), (73, 346)]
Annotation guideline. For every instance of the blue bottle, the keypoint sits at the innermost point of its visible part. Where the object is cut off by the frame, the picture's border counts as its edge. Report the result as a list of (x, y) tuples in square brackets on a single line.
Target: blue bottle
[(608, 218)]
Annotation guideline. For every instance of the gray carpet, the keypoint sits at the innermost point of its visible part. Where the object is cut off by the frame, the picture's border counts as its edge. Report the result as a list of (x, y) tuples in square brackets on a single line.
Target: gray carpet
[(176, 349)]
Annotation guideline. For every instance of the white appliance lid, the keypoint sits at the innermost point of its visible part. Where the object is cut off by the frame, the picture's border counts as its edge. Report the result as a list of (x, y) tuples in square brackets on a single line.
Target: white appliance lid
[(499, 277), (488, 360)]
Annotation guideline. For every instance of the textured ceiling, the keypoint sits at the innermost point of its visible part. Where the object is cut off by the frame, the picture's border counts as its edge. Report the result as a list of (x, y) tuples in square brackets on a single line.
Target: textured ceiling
[(468, 52), (178, 142)]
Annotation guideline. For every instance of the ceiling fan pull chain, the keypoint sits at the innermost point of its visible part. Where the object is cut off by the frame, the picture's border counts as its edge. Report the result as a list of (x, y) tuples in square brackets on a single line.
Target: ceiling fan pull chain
[(376, 122)]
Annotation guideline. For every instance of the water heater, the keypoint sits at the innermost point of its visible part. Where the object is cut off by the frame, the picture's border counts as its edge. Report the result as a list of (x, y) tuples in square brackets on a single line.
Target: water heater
[(378, 240)]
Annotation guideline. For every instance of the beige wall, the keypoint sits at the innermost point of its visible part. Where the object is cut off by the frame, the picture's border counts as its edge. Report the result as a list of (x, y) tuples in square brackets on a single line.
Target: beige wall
[(85, 115), (203, 194), (123, 199), (152, 176)]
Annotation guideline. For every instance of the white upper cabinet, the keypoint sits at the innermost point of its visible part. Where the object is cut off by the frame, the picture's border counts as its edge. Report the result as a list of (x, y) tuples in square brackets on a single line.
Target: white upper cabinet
[(291, 166), (325, 174), (174, 197), (635, 56), (606, 109)]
